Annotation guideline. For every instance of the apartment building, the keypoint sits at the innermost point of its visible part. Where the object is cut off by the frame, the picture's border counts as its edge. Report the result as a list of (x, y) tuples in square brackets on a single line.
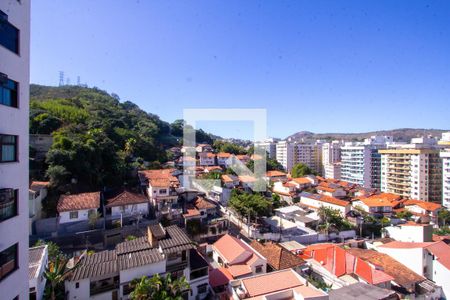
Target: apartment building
[(331, 158), (309, 154), (14, 140), (413, 170), (445, 156), (285, 154), (270, 146), (361, 162)]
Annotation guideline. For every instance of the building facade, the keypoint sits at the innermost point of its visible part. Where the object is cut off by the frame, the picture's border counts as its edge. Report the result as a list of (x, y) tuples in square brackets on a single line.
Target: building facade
[(412, 172), (14, 140), (445, 155), (285, 154)]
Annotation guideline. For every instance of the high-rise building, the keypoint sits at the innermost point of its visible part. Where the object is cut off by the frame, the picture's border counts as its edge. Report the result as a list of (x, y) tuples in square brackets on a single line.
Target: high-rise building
[(331, 158), (445, 155), (413, 170), (309, 154), (14, 114), (270, 146), (360, 161), (285, 154)]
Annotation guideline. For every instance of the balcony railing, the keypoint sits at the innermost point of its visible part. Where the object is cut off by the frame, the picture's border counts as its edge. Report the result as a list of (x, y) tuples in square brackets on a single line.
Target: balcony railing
[(104, 288)]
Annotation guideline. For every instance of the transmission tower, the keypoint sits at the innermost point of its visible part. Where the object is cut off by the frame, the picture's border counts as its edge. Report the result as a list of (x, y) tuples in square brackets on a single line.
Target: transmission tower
[(78, 80), (61, 78)]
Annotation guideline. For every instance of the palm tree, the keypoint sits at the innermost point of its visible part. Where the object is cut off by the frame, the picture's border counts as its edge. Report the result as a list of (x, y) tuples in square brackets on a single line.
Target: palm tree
[(56, 273), (159, 288)]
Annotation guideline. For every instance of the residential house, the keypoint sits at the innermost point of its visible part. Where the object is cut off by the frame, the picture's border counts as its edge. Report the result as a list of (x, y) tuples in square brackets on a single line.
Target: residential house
[(316, 201), (161, 188), (426, 212), (284, 284), (247, 182), (37, 193), (165, 250), (243, 158), (239, 258), (378, 205), (304, 182), (230, 181), (207, 159), (213, 169), (429, 259), (331, 190), (38, 260), (338, 267), (274, 176), (278, 258), (204, 148), (410, 232), (127, 204), (286, 190), (78, 207), (222, 159)]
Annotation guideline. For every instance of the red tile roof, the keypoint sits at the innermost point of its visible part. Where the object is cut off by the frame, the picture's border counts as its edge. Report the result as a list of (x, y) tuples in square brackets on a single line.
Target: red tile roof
[(423, 204), (223, 154), (126, 198), (202, 203), (247, 179), (302, 180), (406, 245), (275, 173), (442, 251), (271, 282), (78, 202), (191, 211), (232, 249), (218, 277), (278, 257), (37, 185), (160, 178)]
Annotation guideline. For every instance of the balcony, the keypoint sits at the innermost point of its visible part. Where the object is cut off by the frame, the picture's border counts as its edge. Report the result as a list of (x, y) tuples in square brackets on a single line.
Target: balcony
[(103, 286), (179, 266)]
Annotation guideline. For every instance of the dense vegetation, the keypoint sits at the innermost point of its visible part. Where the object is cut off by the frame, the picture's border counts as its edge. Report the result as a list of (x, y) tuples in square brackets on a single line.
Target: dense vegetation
[(97, 139), (246, 204), (300, 170)]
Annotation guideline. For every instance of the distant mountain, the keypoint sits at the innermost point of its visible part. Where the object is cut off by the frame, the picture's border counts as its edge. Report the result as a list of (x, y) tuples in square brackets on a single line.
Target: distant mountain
[(400, 135)]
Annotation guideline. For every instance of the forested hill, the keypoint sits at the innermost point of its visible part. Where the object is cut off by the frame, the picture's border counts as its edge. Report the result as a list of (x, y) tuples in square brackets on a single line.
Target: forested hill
[(98, 140)]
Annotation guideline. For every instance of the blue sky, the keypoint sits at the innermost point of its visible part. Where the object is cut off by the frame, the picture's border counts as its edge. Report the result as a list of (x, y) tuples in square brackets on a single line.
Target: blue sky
[(322, 66)]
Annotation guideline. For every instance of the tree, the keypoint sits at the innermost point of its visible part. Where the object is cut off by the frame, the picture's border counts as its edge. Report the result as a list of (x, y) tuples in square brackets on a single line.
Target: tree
[(159, 288), (300, 170), (404, 215), (56, 273), (53, 249), (93, 218), (246, 204), (444, 216)]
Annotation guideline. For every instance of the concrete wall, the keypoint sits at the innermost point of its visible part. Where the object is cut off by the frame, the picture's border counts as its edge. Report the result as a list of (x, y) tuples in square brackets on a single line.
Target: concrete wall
[(83, 214), (141, 208)]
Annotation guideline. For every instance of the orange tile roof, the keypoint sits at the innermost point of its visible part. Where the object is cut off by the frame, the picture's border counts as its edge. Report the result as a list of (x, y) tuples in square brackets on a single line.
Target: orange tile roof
[(333, 200), (78, 202), (442, 251), (213, 168), (242, 157), (227, 178), (191, 211), (302, 180), (126, 198), (232, 249), (160, 178), (275, 173), (406, 245), (271, 282), (202, 203), (247, 178), (239, 270), (380, 200), (423, 204), (223, 154), (37, 185), (256, 156), (278, 257), (326, 189), (218, 277)]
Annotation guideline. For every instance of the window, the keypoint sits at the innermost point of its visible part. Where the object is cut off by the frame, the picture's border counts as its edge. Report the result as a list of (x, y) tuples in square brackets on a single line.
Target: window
[(77, 285), (8, 91), (162, 191), (203, 288), (258, 269), (8, 203), (8, 148), (9, 35), (73, 215), (8, 261)]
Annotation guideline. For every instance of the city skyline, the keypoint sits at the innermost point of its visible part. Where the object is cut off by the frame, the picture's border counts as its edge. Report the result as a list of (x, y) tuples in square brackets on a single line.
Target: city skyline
[(364, 62)]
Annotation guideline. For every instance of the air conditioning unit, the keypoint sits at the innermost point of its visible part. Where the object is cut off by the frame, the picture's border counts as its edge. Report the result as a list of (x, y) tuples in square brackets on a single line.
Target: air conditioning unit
[(6, 195)]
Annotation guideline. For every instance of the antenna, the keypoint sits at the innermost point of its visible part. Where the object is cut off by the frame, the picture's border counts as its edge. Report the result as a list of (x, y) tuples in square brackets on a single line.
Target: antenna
[(61, 78), (78, 80)]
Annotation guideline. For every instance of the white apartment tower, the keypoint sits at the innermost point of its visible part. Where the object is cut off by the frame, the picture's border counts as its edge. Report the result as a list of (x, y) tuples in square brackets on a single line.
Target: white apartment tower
[(331, 158), (14, 114), (413, 170), (445, 155), (285, 154), (270, 146), (361, 162)]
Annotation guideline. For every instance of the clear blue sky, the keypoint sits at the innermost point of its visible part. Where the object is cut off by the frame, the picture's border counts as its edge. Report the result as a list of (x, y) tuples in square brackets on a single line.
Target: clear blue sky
[(322, 66)]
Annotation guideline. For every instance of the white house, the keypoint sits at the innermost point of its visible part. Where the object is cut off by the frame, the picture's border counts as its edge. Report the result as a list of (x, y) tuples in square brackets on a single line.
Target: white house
[(37, 193), (429, 259), (315, 201), (410, 232), (427, 211), (274, 176), (207, 159), (128, 204), (78, 207), (38, 260), (381, 204), (238, 257)]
